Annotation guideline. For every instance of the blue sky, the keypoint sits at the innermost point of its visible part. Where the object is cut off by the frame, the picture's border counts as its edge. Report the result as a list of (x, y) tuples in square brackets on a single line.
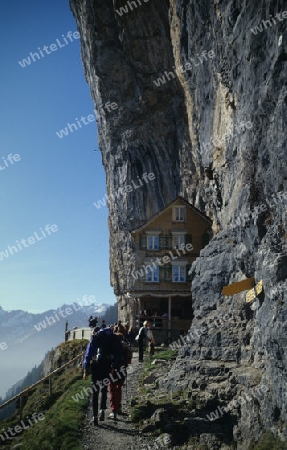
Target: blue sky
[(56, 180)]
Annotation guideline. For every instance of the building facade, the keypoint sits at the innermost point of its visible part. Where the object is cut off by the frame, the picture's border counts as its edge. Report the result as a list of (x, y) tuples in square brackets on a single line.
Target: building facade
[(165, 247)]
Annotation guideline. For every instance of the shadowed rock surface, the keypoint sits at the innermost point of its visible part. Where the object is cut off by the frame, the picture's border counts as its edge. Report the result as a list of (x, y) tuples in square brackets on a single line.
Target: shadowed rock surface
[(213, 131)]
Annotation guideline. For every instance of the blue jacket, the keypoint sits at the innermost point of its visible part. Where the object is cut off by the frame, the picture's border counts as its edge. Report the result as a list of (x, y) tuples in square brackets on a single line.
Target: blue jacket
[(91, 352), (95, 349)]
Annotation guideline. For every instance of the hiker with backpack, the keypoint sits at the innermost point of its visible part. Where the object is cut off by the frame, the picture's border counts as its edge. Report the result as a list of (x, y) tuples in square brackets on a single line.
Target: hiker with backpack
[(103, 355), (117, 382)]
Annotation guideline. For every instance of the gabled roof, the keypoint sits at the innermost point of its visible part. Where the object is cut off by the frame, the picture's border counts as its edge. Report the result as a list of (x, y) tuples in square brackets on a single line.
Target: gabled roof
[(185, 202)]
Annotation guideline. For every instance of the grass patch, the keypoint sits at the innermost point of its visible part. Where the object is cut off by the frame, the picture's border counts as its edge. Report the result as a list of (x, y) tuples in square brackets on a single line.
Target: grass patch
[(160, 353), (269, 442), (165, 353), (61, 427)]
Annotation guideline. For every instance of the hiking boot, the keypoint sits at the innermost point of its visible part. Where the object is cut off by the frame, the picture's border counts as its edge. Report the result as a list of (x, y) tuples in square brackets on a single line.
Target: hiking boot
[(102, 415), (113, 415), (95, 421)]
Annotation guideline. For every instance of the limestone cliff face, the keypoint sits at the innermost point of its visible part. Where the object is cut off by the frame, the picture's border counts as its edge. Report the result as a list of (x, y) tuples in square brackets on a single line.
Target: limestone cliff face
[(213, 131)]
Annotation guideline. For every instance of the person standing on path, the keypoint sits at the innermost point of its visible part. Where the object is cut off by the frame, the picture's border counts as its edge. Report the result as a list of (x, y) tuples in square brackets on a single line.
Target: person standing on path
[(145, 335), (119, 374), (103, 353)]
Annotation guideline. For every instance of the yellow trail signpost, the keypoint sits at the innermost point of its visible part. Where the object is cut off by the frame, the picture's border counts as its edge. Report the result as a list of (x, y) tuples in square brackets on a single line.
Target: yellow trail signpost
[(252, 294), (239, 286)]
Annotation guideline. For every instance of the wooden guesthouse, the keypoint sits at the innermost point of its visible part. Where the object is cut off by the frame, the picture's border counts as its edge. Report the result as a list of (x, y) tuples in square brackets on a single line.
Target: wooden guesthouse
[(165, 247)]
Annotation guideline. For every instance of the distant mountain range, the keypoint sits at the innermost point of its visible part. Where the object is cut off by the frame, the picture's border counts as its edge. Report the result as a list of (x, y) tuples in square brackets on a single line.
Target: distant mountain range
[(26, 337)]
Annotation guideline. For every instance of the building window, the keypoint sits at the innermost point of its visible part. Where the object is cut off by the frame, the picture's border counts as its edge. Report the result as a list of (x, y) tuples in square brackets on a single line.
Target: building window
[(153, 242), (152, 274), (179, 213), (178, 241), (179, 274)]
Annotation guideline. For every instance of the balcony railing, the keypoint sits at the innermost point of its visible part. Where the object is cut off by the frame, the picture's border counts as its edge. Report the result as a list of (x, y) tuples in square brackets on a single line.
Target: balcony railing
[(165, 275)]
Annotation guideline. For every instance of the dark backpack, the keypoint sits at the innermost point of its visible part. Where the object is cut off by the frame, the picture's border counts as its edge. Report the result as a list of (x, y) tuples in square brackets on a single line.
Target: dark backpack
[(108, 345)]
